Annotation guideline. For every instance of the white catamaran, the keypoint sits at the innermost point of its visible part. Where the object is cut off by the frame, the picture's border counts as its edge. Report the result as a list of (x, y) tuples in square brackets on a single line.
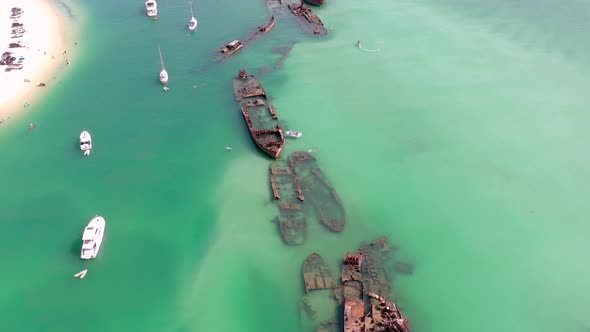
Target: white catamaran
[(163, 72), (192, 24), (92, 238), (85, 142), (151, 7)]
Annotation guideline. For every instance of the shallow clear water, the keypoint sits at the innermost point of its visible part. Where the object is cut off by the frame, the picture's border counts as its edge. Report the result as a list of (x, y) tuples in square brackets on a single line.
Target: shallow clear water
[(462, 137)]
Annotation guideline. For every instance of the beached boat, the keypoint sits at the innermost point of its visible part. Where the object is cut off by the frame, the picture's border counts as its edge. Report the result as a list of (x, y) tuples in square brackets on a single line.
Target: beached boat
[(151, 7), (85, 142), (315, 186), (292, 220), (316, 273), (307, 18), (192, 24), (295, 134), (92, 238), (163, 72), (261, 119)]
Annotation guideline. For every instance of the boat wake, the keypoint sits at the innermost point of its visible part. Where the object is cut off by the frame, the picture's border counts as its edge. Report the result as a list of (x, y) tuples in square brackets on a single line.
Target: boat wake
[(366, 50)]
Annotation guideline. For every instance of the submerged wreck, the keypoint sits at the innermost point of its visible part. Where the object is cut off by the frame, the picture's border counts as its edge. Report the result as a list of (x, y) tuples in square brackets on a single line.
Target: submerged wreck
[(261, 119), (276, 6), (315, 186), (236, 45), (365, 286), (292, 220), (316, 273), (308, 19)]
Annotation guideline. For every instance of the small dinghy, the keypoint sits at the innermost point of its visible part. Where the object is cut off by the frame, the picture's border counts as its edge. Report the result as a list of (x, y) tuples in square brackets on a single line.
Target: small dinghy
[(81, 274), (295, 134), (85, 142)]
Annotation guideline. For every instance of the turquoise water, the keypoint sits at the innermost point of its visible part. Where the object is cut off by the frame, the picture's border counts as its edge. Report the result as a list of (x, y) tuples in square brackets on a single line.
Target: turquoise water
[(462, 138)]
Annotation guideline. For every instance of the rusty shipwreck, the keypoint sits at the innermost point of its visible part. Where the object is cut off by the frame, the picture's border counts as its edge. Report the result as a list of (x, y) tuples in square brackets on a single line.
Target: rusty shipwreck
[(261, 118), (234, 46), (366, 288), (321, 195), (310, 21)]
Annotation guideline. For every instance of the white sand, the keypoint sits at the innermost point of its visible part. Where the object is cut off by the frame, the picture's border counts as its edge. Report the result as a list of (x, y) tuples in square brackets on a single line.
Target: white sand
[(44, 37)]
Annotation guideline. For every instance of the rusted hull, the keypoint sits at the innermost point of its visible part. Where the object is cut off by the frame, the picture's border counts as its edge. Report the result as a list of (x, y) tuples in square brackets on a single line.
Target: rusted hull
[(316, 2), (270, 141), (366, 290), (292, 221), (310, 21), (261, 118), (324, 199), (226, 52), (317, 274)]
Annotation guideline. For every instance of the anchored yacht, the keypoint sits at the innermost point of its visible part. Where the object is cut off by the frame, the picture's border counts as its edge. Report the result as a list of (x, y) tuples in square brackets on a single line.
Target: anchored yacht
[(192, 24), (92, 238), (85, 142), (163, 72), (151, 6)]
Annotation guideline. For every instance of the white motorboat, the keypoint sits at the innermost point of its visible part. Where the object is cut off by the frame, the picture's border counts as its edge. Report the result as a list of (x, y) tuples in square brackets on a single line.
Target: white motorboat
[(163, 72), (85, 142), (151, 6), (192, 24), (293, 133), (92, 238)]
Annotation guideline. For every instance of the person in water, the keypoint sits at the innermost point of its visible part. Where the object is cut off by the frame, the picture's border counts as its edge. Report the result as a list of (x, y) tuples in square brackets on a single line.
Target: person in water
[(358, 44)]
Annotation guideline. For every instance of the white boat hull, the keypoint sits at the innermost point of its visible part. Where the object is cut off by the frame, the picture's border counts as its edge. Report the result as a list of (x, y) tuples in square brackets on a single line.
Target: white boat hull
[(192, 25), (163, 77), (85, 142), (151, 7), (92, 238), (295, 134)]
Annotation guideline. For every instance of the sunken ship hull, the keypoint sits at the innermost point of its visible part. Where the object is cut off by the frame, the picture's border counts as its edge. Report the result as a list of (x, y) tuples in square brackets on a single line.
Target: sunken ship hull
[(323, 197), (260, 117), (317, 274), (310, 21), (316, 2), (292, 221)]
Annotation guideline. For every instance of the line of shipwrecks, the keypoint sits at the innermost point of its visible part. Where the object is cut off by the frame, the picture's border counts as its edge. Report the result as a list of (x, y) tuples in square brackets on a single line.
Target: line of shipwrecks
[(307, 18), (300, 190), (363, 291), (294, 181)]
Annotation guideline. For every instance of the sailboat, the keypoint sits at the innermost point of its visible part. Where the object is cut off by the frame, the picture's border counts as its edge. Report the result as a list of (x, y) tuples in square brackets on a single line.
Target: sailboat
[(192, 24), (163, 73)]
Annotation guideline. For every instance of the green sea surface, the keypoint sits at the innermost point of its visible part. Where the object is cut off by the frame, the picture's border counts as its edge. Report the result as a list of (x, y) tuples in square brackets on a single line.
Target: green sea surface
[(459, 130)]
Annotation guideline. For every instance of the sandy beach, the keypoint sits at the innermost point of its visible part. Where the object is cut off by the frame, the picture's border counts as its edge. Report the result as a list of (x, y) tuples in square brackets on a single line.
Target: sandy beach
[(39, 38)]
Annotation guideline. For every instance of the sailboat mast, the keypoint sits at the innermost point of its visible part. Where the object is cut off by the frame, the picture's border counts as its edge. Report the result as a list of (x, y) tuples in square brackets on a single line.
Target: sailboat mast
[(161, 60), (192, 14)]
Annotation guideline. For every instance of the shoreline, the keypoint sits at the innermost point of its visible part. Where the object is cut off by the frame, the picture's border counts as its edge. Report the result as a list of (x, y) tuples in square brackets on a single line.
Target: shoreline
[(47, 40)]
